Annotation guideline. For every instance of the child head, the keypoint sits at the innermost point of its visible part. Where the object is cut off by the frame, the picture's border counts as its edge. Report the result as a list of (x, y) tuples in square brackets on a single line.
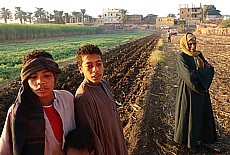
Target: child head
[(79, 142), (39, 72), (38, 60), (89, 58)]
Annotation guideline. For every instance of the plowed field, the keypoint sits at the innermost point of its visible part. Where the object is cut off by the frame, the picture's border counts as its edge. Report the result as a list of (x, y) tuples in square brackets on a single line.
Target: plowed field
[(145, 91)]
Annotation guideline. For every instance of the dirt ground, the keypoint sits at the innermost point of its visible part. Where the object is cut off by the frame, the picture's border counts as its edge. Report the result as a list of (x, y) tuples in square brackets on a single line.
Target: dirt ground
[(153, 126), (145, 91)]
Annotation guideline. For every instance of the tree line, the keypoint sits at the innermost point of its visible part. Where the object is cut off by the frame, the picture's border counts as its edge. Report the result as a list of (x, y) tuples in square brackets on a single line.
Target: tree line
[(40, 16)]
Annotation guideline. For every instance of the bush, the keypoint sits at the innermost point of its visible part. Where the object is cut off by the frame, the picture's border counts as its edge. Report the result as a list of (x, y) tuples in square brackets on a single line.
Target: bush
[(225, 24)]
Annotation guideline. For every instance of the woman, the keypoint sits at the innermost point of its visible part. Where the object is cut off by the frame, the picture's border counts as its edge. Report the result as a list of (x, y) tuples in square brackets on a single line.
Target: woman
[(194, 119), (41, 117)]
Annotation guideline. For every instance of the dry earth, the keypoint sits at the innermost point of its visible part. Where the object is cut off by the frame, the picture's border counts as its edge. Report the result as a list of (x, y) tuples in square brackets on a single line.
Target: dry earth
[(147, 91), (153, 126)]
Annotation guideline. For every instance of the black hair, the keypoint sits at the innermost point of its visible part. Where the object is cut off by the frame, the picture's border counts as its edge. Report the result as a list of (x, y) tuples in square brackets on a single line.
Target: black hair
[(79, 139), (87, 49)]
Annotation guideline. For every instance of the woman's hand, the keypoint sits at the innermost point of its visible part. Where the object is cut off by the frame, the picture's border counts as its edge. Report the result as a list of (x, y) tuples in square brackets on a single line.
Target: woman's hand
[(207, 65)]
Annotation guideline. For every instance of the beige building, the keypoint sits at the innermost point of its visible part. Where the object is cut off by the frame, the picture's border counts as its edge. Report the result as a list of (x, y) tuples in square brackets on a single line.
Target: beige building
[(169, 21), (98, 21)]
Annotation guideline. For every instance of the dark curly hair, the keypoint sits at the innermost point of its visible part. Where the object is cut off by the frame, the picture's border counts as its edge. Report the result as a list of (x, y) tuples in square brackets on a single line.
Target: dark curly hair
[(87, 49)]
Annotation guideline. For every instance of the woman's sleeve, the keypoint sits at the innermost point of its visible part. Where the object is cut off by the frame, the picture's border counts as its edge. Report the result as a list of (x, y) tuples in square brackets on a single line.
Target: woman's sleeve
[(6, 138), (188, 75), (206, 74)]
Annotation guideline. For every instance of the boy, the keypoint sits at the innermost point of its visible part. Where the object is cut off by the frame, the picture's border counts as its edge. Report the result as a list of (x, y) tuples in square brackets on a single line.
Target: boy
[(95, 107), (41, 117)]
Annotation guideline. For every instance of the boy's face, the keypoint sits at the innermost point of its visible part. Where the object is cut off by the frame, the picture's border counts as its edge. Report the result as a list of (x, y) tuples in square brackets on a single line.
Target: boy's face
[(42, 83), (92, 68), (71, 151)]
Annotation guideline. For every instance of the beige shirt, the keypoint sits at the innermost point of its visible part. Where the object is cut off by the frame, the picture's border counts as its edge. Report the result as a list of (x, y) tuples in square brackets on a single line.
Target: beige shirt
[(64, 104)]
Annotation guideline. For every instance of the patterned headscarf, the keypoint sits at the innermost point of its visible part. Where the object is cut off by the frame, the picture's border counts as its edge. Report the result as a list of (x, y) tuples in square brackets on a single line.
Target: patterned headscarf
[(185, 48), (41, 63), (28, 123)]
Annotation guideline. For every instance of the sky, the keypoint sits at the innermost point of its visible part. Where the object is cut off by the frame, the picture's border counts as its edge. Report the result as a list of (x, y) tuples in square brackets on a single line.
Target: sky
[(95, 7)]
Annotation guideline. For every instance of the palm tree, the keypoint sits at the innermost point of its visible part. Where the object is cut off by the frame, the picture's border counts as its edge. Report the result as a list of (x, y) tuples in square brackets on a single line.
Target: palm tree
[(66, 17), (75, 15), (83, 15), (90, 19), (86, 18), (47, 16), (58, 16), (39, 14), (171, 15), (19, 14), (100, 16), (5, 14), (123, 17), (79, 17), (29, 16)]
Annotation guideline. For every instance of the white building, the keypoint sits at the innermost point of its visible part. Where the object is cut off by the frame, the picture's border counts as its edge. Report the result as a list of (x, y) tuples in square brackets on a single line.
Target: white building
[(111, 16)]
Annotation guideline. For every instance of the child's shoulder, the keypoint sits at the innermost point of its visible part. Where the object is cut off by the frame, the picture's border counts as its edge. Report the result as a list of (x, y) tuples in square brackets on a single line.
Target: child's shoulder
[(63, 92)]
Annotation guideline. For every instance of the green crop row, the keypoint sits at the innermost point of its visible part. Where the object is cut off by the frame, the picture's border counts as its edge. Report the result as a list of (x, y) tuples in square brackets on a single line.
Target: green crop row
[(26, 31), (62, 50)]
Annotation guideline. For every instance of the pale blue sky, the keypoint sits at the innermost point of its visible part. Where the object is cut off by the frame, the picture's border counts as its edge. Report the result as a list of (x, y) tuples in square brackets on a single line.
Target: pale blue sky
[(95, 7)]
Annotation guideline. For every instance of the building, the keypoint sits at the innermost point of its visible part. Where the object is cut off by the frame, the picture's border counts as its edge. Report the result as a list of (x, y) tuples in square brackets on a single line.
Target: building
[(191, 16), (166, 21), (133, 19), (98, 21), (150, 19), (213, 19), (112, 17), (226, 17)]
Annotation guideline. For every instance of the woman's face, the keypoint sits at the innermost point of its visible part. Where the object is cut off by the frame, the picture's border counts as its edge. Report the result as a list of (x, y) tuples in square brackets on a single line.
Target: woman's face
[(192, 45), (42, 83)]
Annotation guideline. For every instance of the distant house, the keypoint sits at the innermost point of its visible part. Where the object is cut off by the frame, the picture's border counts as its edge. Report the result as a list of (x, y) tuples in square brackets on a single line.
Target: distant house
[(112, 17), (167, 21), (213, 19), (191, 16), (133, 19), (226, 17), (98, 21), (150, 19)]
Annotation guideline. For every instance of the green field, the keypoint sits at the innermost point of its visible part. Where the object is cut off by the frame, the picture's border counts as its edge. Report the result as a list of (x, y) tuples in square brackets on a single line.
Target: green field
[(62, 50)]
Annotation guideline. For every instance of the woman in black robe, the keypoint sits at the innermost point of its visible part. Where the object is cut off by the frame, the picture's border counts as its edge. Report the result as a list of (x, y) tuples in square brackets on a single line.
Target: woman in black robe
[(194, 121)]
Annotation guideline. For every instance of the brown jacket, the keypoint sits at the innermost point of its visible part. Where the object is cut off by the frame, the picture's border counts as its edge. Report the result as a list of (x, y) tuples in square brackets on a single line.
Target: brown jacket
[(96, 110)]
